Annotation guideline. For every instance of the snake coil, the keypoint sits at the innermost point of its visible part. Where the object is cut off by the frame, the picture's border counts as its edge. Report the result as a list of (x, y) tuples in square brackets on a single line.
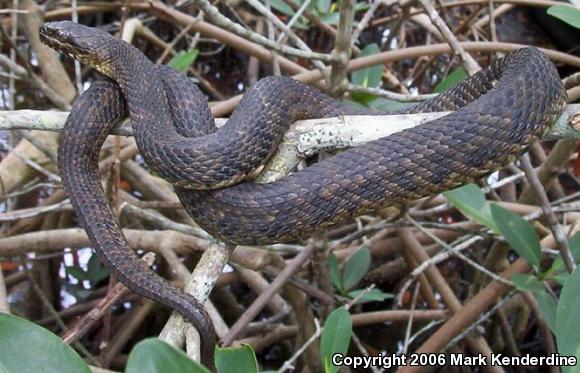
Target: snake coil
[(498, 112)]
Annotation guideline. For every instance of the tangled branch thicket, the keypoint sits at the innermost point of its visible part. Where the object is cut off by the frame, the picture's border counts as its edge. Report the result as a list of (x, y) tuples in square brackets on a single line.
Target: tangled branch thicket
[(381, 54)]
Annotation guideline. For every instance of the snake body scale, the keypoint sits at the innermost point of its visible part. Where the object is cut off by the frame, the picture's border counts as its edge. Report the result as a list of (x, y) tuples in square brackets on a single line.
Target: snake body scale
[(498, 112)]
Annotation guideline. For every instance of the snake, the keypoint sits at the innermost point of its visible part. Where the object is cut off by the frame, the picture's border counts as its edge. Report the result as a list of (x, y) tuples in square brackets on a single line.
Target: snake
[(496, 114)]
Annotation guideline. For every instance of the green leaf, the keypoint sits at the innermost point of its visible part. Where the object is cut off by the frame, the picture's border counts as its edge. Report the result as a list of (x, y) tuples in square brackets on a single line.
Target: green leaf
[(96, 270), (331, 18), (236, 360), (78, 291), (561, 279), (335, 337), (558, 264), (386, 105), (370, 76), (518, 233), (567, 334), (354, 103), (77, 272), (282, 7), (27, 347), (373, 295), (361, 6), (525, 282), (323, 6), (566, 13), (155, 356), (183, 60), (335, 275), (355, 268), (470, 200), (548, 307), (450, 80)]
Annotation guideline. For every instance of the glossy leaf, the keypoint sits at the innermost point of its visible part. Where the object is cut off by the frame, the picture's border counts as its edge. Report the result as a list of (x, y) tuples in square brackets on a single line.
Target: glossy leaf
[(386, 105), (155, 356), (370, 76), (183, 60), (470, 200), (361, 6), (547, 303), (548, 307), (525, 282), (323, 6), (335, 337), (282, 7), (96, 270), (451, 80), (236, 360), (27, 347), (331, 18), (520, 234), (354, 104), (373, 295), (558, 264), (77, 272), (566, 13), (355, 268), (561, 278), (335, 275), (567, 313)]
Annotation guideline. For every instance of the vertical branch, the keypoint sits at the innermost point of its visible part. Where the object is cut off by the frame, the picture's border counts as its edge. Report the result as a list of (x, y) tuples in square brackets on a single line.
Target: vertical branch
[(492, 32), (10, 202), (272, 35), (559, 236), (78, 79), (365, 21), (4, 306), (293, 266), (342, 51), (13, 35)]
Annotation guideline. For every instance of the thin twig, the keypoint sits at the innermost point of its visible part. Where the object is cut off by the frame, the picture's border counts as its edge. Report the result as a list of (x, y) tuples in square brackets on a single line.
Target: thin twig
[(262, 299), (35, 211), (388, 94), (51, 176), (559, 236), (288, 363), (216, 17), (470, 65), (362, 24), (410, 321), (447, 247), (478, 322), (285, 29)]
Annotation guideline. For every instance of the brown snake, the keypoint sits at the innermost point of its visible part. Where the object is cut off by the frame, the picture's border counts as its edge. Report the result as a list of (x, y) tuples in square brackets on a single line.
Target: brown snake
[(498, 113)]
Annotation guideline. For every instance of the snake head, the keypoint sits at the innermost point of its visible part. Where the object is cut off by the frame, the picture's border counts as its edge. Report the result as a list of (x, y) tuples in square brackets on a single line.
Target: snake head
[(86, 44)]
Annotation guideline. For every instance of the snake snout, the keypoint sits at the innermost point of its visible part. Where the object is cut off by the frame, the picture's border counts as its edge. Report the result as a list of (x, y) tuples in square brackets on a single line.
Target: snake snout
[(61, 35), (77, 41)]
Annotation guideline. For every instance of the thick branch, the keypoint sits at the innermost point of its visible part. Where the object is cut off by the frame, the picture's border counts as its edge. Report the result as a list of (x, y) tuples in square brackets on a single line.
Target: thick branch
[(346, 131)]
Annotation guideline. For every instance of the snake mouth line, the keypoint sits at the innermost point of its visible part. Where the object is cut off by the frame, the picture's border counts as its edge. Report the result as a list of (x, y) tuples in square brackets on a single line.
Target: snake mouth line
[(58, 40), (71, 40)]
